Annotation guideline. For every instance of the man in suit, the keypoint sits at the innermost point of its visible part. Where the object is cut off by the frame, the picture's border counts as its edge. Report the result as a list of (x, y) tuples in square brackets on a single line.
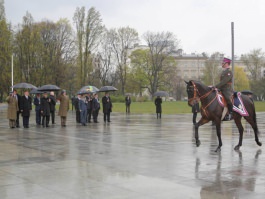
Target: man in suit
[(64, 107), (18, 97), (36, 102), (89, 107), (107, 107), (128, 103), (25, 108), (95, 108)]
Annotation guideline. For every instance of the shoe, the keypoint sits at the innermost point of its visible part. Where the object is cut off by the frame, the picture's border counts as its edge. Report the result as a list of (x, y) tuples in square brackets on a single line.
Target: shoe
[(53, 123), (96, 122), (109, 121), (47, 126)]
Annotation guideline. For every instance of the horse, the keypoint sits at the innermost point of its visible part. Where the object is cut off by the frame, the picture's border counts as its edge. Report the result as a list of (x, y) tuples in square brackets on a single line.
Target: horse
[(211, 110)]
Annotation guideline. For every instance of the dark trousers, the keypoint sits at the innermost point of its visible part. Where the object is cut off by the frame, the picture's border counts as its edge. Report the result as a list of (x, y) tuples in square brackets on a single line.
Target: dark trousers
[(26, 121), (77, 116), (17, 120), (52, 115), (127, 108), (95, 115), (158, 115), (45, 120), (83, 115), (194, 117), (89, 112), (38, 116), (107, 116)]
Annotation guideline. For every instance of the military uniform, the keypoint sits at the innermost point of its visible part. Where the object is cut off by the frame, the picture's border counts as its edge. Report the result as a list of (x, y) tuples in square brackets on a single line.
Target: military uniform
[(225, 87)]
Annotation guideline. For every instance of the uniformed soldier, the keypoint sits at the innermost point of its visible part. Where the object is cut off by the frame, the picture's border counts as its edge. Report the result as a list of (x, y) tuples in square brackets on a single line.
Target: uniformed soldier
[(225, 85)]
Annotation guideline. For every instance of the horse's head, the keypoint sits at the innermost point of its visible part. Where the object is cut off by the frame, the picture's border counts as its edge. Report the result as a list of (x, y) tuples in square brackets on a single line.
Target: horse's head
[(192, 92)]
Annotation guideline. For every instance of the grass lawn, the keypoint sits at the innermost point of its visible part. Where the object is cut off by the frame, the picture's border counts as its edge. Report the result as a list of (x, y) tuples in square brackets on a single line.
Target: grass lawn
[(177, 107)]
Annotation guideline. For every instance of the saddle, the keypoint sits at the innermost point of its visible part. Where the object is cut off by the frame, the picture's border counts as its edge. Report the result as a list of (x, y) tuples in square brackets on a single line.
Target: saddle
[(238, 105)]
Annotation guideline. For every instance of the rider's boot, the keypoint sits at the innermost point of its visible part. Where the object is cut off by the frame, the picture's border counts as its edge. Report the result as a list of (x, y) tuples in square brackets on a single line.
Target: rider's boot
[(230, 110)]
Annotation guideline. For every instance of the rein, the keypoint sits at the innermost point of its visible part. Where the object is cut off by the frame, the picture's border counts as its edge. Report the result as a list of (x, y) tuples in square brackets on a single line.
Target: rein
[(196, 91)]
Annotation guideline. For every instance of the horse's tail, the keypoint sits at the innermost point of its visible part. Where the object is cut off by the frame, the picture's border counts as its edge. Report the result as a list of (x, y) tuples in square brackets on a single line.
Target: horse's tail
[(254, 113)]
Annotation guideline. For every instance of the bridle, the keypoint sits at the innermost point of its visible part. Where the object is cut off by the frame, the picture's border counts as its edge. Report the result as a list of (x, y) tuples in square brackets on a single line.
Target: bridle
[(201, 97)]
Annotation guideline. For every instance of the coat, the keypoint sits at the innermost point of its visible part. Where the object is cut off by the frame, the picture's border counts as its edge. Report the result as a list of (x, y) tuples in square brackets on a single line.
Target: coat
[(127, 101), (107, 105), (64, 105), (45, 106), (158, 102), (95, 104), (25, 106), (52, 103), (12, 108), (36, 102), (82, 104)]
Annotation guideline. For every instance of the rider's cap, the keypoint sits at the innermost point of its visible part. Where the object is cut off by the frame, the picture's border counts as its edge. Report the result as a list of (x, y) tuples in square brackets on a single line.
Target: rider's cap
[(226, 60)]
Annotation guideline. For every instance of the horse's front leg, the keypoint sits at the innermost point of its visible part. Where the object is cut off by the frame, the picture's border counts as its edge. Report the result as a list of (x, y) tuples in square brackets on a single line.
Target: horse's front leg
[(202, 121), (218, 133)]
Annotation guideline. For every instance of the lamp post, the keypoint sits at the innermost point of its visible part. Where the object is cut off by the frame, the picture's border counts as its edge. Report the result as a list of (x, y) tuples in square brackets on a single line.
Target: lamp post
[(12, 71)]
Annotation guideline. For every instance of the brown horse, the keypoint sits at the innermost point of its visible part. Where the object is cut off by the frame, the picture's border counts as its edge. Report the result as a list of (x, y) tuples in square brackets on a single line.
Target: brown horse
[(211, 110)]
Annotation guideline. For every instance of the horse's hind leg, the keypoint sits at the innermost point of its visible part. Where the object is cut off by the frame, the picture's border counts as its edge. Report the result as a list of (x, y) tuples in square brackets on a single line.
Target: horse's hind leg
[(237, 119), (218, 132), (254, 125)]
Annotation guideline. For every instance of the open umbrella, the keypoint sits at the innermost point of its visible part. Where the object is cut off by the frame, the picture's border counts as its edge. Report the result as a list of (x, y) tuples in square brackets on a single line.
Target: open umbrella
[(35, 91), (161, 93), (24, 85), (88, 89), (107, 88), (247, 92), (49, 87)]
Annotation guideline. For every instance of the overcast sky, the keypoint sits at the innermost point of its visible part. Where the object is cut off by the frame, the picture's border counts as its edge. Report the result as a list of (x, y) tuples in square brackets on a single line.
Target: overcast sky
[(200, 25)]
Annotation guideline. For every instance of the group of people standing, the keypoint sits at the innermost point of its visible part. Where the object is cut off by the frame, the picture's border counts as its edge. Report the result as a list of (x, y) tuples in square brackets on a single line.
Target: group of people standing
[(87, 105), (44, 108)]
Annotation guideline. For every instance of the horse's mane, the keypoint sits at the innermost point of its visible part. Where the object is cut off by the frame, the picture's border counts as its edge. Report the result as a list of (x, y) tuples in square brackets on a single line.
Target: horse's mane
[(200, 84)]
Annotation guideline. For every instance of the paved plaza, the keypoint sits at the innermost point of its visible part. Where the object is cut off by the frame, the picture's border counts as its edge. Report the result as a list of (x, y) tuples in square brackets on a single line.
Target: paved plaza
[(133, 157)]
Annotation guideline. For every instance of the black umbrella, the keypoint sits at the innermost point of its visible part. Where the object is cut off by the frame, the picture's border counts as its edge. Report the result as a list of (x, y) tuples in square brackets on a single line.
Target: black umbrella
[(35, 91), (24, 85), (247, 92), (107, 89), (161, 93), (88, 89), (49, 87)]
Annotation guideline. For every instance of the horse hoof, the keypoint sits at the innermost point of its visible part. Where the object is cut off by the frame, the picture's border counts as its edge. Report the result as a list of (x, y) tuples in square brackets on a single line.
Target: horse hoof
[(236, 148), (198, 143), (259, 143), (218, 149)]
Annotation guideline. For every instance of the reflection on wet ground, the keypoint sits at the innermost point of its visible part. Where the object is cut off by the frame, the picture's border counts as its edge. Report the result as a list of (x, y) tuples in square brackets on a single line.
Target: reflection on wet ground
[(134, 156)]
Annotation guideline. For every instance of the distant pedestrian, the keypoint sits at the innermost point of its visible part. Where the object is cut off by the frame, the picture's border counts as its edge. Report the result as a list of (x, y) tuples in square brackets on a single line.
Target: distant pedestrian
[(45, 110), (107, 107), (158, 102), (36, 102), (95, 108), (52, 106), (195, 110), (18, 97), (83, 110), (89, 107), (64, 107), (128, 103), (25, 108), (77, 109), (12, 109)]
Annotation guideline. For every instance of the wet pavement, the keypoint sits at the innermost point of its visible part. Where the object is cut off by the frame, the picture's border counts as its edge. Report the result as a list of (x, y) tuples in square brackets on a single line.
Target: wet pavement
[(133, 157)]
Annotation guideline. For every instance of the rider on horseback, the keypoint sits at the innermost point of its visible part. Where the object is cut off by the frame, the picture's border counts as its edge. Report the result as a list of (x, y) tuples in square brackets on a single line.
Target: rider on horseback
[(225, 85)]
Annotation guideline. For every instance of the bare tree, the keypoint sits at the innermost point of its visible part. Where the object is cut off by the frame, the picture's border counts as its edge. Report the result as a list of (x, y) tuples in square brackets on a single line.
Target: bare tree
[(2, 10), (254, 61), (161, 46), (122, 40)]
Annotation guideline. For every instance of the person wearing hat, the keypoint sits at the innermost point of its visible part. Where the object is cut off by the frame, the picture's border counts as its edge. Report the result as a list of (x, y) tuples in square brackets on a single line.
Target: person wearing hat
[(36, 102), (12, 109), (25, 108), (225, 85), (45, 109), (64, 107)]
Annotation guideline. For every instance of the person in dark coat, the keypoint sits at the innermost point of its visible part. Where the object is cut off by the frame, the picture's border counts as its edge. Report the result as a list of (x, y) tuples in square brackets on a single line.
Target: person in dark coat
[(25, 108), (158, 102), (89, 107), (107, 107), (77, 109), (45, 110), (128, 103), (195, 109), (18, 97), (95, 108), (225, 85), (36, 102), (52, 106), (83, 110)]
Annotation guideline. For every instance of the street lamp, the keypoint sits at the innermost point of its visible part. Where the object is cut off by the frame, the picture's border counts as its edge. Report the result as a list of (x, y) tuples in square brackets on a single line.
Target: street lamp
[(12, 71)]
